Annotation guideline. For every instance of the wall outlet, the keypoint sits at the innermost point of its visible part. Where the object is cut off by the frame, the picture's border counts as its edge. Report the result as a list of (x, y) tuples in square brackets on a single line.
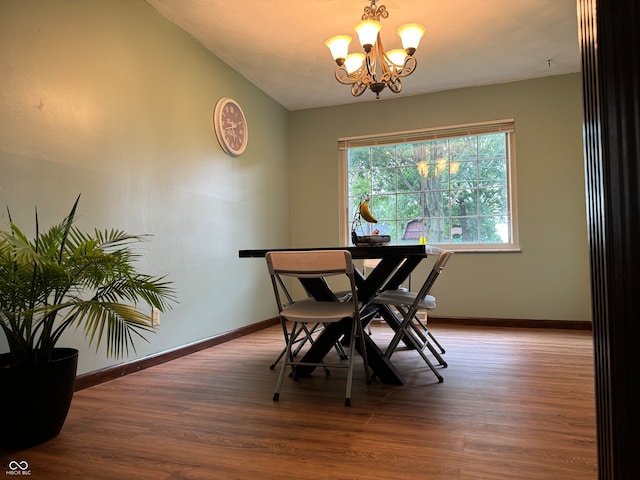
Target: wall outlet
[(155, 317)]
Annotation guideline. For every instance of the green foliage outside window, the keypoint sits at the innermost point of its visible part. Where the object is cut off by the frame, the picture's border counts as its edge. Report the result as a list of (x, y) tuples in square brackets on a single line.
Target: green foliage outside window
[(449, 190)]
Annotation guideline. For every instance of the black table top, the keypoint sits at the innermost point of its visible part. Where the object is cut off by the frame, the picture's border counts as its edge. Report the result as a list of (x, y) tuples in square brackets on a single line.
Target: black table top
[(356, 252)]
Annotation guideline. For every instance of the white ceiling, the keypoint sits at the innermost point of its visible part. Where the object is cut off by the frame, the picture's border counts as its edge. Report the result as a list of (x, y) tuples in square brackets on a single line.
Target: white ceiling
[(279, 44)]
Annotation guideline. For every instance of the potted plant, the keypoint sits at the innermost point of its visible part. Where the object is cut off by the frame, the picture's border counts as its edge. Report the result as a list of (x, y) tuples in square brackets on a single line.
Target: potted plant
[(64, 278)]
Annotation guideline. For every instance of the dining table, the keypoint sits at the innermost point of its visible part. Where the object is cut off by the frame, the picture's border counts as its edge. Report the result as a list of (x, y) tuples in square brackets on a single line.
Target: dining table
[(395, 265)]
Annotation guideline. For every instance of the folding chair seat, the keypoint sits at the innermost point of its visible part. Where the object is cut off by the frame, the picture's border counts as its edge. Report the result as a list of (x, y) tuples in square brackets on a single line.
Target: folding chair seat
[(308, 331), (408, 304), (298, 315)]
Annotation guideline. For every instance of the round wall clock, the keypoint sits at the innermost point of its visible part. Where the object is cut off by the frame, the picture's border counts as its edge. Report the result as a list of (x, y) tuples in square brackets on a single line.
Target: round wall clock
[(230, 126)]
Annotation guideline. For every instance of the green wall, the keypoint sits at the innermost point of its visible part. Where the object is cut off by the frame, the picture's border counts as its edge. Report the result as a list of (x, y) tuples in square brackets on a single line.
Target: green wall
[(108, 99), (548, 279)]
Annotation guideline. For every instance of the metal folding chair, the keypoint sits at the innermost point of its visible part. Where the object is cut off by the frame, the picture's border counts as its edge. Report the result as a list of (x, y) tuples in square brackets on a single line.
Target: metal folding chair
[(297, 315), (408, 304), (308, 333)]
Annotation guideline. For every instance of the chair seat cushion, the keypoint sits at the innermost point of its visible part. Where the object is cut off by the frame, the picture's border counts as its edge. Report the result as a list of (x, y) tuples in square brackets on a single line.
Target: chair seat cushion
[(313, 311), (402, 297)]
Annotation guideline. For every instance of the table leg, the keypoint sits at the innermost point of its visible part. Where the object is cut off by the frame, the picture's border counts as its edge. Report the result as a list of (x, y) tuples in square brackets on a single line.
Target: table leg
[(381, 366)]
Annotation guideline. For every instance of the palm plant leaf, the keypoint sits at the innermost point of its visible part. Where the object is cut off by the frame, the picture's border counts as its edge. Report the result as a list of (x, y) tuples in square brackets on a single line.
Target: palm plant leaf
[(119, 322)]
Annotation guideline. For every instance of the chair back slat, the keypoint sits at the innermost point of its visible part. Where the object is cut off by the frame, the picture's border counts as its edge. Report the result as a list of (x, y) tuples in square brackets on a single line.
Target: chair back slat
[(313, 263), (436, 270)]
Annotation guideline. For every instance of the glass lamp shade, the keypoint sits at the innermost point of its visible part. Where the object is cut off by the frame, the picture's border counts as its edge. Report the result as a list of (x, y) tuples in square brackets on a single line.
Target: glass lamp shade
[(353, 62), (397, 56), (368, 33), (339, 46), (411, 35)]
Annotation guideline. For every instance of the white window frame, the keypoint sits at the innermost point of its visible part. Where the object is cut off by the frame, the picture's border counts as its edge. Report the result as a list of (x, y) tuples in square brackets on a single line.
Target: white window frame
[(456, 131)]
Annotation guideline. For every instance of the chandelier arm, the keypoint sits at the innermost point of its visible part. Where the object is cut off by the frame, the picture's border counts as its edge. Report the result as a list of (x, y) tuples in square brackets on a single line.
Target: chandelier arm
[(358, 82), (366, 79), (344, 77), (410, 64), (395, 85), (358, 89)]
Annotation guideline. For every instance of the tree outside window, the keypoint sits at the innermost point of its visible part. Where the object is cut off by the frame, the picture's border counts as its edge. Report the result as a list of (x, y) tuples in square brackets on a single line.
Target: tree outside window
[(451, 189)]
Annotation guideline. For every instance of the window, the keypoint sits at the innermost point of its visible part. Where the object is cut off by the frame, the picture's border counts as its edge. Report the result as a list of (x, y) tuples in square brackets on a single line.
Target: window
[(453, 187)]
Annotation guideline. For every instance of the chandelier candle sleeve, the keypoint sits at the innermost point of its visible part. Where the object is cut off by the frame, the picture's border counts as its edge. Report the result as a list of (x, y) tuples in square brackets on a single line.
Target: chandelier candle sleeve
[(368, 31), (397, 56), (375, 69), (354, 62), (410, 35), (339, 46)]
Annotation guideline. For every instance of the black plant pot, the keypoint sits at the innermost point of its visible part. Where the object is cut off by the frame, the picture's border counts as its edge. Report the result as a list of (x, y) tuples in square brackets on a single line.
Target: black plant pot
[(34, 400)]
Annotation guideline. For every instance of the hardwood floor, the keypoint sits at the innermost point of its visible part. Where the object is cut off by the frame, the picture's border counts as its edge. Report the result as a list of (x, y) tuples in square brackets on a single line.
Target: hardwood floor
[(515, 404)]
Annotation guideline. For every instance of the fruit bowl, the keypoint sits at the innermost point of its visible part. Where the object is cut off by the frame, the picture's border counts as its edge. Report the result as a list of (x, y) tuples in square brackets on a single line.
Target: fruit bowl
[(371, 240)]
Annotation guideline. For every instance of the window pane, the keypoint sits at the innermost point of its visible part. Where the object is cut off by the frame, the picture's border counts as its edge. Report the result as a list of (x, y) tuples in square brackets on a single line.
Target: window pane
[(383, 181), (409, 206), (465, 202), (493, 201), (466, 175), (385, 208), (408, 179), (383, 157), (492, 172), (359, 159), (492, 229)]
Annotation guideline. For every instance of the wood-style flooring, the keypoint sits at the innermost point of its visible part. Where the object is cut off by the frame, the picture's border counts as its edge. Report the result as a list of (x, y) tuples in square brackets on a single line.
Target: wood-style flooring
[(515, 404)]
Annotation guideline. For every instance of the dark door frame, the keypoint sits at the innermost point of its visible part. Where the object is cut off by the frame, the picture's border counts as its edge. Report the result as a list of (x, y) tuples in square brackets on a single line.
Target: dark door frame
[(609, 37)]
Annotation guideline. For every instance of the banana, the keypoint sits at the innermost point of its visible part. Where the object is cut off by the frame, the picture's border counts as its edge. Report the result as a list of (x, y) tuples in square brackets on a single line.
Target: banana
[(365, 213)]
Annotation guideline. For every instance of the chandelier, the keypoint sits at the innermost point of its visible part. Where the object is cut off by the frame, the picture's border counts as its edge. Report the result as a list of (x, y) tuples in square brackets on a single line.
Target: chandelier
[(375, 69)]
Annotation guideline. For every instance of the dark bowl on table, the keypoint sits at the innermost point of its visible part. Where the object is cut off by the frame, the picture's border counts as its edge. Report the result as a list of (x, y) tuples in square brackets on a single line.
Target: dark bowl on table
[(371, 240)]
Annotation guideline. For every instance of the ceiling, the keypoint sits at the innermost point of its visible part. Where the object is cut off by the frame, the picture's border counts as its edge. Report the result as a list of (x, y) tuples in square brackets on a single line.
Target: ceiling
[(279, 44)]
